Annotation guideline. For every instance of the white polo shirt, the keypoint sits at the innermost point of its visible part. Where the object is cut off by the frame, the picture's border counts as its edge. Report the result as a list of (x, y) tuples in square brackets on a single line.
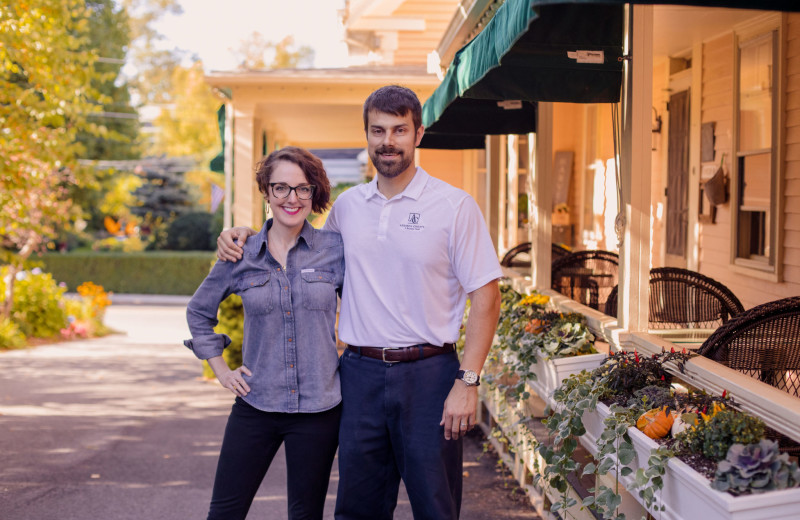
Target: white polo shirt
[(409, 262)]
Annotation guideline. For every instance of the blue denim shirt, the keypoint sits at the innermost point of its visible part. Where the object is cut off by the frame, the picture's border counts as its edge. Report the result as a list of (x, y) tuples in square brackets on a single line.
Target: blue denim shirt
[(289, 339)]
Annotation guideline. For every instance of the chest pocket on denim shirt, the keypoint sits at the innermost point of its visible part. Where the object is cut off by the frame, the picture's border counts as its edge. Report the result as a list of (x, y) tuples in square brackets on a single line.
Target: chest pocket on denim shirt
[(319, 292), (256, 293)]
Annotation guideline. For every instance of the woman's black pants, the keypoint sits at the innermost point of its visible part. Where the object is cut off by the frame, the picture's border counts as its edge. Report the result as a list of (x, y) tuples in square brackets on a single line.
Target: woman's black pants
[(252, 437)]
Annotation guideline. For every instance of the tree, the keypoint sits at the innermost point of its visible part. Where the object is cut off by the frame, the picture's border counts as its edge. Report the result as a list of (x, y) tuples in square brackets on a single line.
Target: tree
[(163, 194), (109, 36), (189, 126), (153, 66), (46, 96), (257, 53)]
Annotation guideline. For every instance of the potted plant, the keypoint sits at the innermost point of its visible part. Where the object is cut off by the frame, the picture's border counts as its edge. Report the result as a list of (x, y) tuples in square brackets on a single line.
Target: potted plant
[(536, 348), (626, 412)]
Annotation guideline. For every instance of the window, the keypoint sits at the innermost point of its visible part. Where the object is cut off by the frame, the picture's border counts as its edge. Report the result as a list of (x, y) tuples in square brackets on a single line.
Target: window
[(756, 157)]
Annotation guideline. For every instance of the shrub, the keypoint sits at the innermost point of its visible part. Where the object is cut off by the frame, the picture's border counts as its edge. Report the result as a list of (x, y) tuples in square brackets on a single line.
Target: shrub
[(231, 322), (713, 437), (191, 232), (156, 272), (37, 309), (10, 335)]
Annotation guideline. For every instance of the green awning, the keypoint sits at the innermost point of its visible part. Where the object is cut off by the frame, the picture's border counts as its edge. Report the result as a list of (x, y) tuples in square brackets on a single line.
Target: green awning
[(530, 52), (475, 118), (217, 164), (542, 50)]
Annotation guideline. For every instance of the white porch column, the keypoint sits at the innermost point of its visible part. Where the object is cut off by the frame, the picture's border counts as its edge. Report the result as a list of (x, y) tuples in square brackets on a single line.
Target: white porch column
[(512, 192), (541, 183), (227, 205), (695, 122), (247, 201), (637, 98), (493, 191)]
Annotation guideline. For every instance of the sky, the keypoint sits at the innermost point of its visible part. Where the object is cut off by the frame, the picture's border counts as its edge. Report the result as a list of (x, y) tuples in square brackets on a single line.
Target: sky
[(211, 28)]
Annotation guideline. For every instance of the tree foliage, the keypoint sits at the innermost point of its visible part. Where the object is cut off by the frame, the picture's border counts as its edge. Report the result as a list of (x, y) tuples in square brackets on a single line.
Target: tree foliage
[(153, 65), (46, 95), (257, 53), (109, 36), (189, 126)]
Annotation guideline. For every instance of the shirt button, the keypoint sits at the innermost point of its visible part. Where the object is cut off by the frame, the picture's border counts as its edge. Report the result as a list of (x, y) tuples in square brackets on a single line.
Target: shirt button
[(292, 391), (290, 340), (291, 366), (286, 288), (288, 313), (279, 269)]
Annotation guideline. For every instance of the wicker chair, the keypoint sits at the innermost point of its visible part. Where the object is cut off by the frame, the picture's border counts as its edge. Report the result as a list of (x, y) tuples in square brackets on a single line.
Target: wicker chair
[(763, 342), (524, 249), (586, 276), (680, 298)]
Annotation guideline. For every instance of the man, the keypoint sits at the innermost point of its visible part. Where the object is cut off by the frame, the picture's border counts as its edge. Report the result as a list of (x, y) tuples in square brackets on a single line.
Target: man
[(415, 247)]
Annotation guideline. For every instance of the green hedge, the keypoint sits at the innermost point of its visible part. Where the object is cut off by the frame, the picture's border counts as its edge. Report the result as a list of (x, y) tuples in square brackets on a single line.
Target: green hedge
[(156, 272)]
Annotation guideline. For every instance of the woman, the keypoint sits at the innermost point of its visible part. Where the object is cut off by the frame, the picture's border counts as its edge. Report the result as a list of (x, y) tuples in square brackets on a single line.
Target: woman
[(287, 389)]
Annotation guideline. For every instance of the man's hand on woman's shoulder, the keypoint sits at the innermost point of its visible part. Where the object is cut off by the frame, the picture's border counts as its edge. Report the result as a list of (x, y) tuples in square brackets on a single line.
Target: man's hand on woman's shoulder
[(231, 241)]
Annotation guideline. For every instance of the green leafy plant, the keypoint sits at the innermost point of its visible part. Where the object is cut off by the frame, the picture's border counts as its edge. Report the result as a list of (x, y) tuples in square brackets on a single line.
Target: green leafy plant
[(10, 335), (713, 437), (231, 322), (621, 374), (38, 310), (755, 468)]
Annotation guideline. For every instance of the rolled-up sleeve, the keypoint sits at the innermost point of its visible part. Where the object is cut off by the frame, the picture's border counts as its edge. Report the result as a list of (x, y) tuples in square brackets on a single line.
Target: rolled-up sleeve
[(201, 313)]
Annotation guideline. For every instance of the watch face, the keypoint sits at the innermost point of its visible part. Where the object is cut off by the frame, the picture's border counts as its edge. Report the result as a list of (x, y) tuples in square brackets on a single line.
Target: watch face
[(470, 377)]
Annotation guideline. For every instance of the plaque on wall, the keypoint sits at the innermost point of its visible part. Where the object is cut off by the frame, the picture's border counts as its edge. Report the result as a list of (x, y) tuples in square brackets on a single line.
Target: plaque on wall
[(707, 142), (562, 169)]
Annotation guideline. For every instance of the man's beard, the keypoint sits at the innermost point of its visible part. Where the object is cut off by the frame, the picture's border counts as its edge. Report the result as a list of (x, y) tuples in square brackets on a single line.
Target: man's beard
[(390, 170)]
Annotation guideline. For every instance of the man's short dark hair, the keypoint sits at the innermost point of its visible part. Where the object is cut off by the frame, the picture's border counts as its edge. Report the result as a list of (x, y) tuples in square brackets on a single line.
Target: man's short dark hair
[(395, 100)]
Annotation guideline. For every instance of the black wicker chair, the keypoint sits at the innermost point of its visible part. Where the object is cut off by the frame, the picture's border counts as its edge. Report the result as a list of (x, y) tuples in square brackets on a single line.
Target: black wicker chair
[(586, 276), (763, 342), (680, 298), (523, 250)]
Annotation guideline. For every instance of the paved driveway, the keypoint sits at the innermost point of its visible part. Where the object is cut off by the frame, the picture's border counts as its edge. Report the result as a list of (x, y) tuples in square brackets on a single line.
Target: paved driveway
[(118, 428), (122, 428)]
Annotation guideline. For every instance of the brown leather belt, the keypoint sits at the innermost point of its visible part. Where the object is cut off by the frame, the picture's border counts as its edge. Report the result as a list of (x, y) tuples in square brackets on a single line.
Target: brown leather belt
[(402, 354)]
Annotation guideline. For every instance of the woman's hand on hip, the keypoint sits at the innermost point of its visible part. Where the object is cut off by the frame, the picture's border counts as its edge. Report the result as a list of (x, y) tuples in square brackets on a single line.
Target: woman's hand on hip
[(234, 381)]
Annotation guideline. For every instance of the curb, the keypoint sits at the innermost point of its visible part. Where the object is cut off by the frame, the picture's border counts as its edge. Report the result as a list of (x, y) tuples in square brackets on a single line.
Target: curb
[(146, 299)]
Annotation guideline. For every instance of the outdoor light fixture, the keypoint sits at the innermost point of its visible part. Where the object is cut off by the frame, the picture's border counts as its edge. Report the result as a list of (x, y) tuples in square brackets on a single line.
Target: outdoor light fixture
[(656, 136)]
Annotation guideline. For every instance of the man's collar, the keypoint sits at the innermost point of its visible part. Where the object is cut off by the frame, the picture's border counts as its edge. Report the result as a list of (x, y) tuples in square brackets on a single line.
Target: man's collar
[(413, 190)]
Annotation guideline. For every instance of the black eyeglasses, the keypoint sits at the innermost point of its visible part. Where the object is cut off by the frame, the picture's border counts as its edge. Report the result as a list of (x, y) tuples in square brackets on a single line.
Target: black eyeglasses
[(282, 190)]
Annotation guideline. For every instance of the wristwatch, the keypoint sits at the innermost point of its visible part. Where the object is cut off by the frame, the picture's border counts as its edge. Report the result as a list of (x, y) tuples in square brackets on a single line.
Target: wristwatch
[(470, 377)]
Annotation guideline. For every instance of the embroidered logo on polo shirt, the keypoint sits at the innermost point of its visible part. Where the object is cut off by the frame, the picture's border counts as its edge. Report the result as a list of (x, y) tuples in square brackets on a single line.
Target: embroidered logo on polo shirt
[(413, 222)]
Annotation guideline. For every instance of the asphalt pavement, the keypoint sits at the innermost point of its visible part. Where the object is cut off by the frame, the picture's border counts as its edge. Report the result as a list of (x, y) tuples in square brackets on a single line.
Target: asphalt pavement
[(123, 427)]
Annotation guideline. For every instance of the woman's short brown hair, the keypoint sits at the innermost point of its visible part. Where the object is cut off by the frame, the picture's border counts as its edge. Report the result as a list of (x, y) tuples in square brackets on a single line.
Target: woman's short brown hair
[(312, 168)]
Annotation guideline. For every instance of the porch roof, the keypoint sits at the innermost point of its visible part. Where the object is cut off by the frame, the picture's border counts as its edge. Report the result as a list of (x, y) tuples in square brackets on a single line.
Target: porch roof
[(543, 50)]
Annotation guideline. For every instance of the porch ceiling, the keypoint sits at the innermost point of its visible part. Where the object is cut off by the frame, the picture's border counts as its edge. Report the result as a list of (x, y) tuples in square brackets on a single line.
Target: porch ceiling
[(678, 27), (316, 108)]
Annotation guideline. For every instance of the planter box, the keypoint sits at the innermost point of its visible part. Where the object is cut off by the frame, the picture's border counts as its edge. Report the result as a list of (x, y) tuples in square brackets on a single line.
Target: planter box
[(688, 495), (551, 373)]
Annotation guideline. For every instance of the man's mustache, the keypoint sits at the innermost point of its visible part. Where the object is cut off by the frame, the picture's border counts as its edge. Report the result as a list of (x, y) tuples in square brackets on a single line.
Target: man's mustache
[(388, 149)]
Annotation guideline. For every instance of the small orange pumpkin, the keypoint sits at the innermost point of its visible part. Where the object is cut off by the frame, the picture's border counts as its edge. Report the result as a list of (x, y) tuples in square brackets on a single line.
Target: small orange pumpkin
[(534, 326), (656, 423)]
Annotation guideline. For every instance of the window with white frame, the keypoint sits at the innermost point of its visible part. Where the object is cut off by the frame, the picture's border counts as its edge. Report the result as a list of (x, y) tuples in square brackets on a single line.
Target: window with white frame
[(755, 169)]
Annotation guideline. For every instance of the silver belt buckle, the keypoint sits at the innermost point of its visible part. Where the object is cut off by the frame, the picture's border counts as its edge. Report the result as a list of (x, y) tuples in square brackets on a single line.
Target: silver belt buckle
[(383, 354)]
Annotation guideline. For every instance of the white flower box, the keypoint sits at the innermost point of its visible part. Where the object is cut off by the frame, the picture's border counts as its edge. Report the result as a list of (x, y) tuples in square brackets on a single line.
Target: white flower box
[(688, 495), (551, 373)]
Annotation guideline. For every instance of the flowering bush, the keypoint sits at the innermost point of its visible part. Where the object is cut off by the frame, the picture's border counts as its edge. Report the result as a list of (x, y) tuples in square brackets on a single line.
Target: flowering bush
[(98, 298), (37, 309), (10, 335), (85, 313)]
